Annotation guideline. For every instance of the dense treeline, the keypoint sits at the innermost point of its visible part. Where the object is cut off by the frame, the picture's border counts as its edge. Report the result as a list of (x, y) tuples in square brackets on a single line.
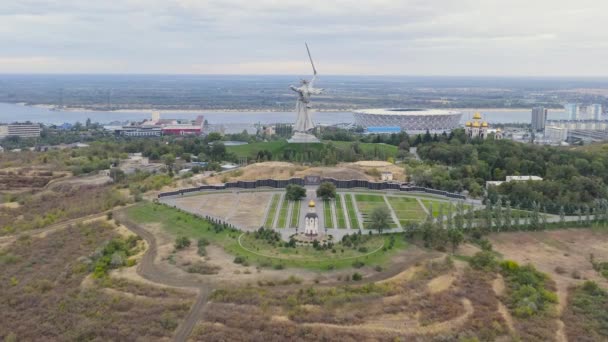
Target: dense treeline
[(572, 178)]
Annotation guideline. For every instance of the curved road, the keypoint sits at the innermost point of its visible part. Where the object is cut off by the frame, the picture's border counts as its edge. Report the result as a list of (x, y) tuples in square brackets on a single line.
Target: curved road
[(151, 271)]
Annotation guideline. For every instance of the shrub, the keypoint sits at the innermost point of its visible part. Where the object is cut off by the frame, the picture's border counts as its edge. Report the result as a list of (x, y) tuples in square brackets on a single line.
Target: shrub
[(239, 259), (182, 242), (357, 276), (484, 260), (358, 264)]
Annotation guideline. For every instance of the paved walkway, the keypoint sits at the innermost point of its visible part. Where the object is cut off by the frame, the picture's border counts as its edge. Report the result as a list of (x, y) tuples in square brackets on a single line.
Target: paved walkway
[(392, 211)]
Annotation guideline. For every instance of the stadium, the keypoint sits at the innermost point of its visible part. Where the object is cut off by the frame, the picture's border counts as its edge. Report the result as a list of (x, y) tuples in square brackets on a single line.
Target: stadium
[(408, 120)]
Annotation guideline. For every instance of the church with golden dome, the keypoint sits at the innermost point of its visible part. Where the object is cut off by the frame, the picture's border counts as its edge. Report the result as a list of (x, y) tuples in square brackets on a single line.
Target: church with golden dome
[(479, 128), (312, 220)]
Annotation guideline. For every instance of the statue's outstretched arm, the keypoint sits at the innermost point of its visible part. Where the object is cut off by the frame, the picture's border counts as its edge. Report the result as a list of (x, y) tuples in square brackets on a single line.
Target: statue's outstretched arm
[(294, 89), (316, 91)]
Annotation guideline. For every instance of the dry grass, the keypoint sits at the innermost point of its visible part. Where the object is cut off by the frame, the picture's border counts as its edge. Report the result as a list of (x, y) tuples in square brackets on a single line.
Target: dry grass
[(41, 297)]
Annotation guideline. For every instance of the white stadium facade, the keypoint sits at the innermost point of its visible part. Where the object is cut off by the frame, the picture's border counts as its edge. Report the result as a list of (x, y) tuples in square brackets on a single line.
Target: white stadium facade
[(409, 120)]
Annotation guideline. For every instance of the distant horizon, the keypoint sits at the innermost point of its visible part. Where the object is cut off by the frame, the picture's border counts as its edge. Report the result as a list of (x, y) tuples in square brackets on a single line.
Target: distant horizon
[(300, 75)]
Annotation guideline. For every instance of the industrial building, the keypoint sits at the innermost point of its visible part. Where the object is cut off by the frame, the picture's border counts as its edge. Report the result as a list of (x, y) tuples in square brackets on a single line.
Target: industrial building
[(155, 127), (555, 134), (22, 130), (407, 119)]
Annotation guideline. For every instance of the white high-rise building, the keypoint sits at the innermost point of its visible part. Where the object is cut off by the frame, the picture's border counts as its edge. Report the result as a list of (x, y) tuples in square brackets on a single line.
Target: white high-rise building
[(572, 110), (596, 111)]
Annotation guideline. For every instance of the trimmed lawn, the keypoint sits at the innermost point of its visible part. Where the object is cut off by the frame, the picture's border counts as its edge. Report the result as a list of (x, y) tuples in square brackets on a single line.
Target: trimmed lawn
[(259, 252), (329, 220), (352, 213), (295, 214), (283, 213), (340, 212), (274, 202), (436, 204), (407, 209), (367, 203)]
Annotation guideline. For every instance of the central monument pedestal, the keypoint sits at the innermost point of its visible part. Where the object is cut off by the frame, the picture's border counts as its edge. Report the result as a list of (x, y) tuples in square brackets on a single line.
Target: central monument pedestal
[(303, 138)]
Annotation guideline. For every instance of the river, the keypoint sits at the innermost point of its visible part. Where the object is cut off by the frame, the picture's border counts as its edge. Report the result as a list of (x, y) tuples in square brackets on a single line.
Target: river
[(17, 112)]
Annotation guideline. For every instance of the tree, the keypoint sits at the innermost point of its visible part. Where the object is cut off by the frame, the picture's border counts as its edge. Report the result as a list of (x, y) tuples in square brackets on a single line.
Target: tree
[(459, 218), (380, 218), (117, 174), (456, 237), (498, 216), (508, 219), (168, 159), (326, 190), (218, 151), (295, 192), (562, 216)]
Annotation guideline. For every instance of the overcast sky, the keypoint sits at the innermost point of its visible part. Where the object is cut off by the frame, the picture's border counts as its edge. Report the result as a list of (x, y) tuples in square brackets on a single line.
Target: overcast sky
[(372, 37)]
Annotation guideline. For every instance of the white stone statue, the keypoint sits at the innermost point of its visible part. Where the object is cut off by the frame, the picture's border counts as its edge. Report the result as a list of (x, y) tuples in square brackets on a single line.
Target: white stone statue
[(304, 122)]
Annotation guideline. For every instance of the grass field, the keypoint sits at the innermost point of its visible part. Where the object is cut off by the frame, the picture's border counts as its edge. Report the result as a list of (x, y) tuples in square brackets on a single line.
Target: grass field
[(407, 209), (283, 213), (367, 203), (277, 148), (436, 205), (340, 212), (274, 202), (352, 213), (295, 214), (329, 220), (178, 223)]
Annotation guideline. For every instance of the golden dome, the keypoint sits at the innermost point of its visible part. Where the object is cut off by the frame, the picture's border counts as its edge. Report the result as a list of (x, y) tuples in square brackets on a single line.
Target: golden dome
[(476, 124), (484, 124), (311, 204), (468, 124), (477, 116)]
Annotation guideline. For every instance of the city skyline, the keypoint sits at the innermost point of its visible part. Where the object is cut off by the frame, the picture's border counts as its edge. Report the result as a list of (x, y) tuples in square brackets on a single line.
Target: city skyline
[(266, 37)]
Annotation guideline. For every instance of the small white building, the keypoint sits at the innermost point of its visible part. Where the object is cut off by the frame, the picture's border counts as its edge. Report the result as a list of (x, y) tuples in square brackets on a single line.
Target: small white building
[(514, 179), (386, 176)]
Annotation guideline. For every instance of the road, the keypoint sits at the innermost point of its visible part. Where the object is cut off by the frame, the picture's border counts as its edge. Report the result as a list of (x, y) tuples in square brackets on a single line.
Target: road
[(154, 272)]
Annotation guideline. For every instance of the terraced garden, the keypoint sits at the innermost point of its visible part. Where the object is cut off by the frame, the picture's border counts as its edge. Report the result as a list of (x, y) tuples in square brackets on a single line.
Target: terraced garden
[(329, 220), (407, 209), (435, 206), (282, 221), (367, 203), (295, 214), (352, 213), (274, 203), (340, 216)]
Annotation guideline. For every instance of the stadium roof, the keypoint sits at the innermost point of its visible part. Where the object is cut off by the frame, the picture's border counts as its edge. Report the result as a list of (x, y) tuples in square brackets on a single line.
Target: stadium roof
[(406, 111)]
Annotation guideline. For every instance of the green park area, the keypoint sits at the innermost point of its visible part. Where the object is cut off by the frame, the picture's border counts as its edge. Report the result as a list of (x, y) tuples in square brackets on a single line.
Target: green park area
[(352, 213), (274, 203), (367, 203), (282, 222), (329, 220), (340, 217), (267, 251), (407, 209), (295, 214), (282, 150)]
